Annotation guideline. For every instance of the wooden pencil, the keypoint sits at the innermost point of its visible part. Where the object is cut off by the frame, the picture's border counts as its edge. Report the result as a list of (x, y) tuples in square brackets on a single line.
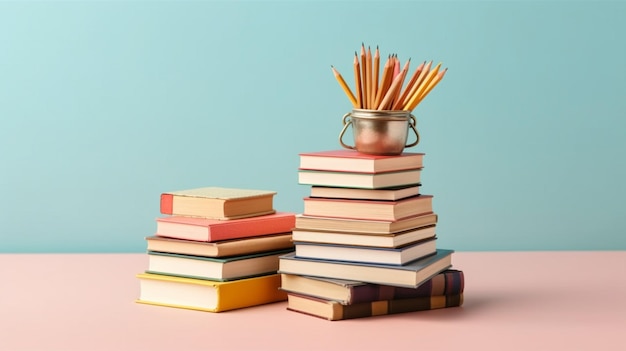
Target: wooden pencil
[(368, 78), (357, 81), (383, 81), (432, 85), (363, 78), (415, 87), (395, 86), (344, 86), (375, 74)]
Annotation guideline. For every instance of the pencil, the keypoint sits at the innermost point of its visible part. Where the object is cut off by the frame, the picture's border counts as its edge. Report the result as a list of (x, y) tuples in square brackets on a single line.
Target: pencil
[(344, 86), (397, 83), (432, 85), (368, 78), (375, 73), (396, 94), (357, 81), (363, 78), (415, 99), (385, 77), (400, 102), (418, 82)]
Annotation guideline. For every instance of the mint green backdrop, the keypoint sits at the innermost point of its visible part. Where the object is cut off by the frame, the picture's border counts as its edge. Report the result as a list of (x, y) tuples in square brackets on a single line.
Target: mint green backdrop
[(104, 105)]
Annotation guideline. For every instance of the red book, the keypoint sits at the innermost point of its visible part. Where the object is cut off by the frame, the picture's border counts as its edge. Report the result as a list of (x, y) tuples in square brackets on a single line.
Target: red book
[(354, 161), (210, 230)]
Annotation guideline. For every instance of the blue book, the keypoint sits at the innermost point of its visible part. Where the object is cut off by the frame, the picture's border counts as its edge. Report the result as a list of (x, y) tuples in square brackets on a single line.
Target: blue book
[(410, 275)]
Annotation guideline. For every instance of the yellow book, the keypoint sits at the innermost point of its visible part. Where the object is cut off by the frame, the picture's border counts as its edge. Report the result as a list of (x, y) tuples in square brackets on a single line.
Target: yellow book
[(206, 295)]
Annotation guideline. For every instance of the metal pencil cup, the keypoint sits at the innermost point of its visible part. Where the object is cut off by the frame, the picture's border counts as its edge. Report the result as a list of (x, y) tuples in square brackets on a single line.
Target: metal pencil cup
[(379, 132)]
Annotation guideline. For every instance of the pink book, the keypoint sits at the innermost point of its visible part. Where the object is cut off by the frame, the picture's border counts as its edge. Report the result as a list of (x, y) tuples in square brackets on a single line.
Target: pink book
[(353, 161)]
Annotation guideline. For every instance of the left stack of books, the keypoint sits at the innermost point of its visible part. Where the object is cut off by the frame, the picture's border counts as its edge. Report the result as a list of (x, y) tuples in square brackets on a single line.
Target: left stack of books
[(216, 249)]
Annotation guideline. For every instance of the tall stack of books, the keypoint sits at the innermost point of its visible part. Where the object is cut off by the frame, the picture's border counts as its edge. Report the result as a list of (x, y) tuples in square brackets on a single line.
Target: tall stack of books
[(216, 249), (365, 243)]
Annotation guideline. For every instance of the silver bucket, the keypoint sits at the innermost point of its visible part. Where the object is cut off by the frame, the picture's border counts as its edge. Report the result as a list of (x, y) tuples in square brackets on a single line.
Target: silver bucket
[(379, 132)]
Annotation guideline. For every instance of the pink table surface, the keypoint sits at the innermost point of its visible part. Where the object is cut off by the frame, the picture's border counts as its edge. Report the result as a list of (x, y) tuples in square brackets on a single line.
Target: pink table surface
[(513, 301)]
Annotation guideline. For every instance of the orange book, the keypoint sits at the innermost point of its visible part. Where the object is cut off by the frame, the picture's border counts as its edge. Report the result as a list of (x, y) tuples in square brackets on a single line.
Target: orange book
[(210, 230), (368, 209)]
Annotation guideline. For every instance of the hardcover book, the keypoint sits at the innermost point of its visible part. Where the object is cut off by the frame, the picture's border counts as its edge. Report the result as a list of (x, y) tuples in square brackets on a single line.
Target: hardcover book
[(206, 295), (218, 203), (354, 161), (348, 292), (381, 255), (332, 310), (410, 275), (205, 229), (389, 194), (221, 248), (214, 268), (360, 180), (352, 225), (368, 209), (364, 239)]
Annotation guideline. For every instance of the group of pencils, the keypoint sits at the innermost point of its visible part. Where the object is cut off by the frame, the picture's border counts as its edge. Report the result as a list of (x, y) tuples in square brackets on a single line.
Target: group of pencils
[(388, 92)]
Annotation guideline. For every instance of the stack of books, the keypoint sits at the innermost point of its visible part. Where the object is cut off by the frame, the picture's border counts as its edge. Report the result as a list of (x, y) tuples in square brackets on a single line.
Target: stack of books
[(216, 249), (365, 243)]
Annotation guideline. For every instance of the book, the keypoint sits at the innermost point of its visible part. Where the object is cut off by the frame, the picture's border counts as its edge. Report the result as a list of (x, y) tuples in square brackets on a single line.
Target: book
[(348, 292), (368, 209), (359, 180), (364, 239), (334, 311), (381, 255), (218, 203), (354, 161), (220, 248), (207, 229), (410, 275), (206, 295), (214, 268), (390, 194), (363, 226)]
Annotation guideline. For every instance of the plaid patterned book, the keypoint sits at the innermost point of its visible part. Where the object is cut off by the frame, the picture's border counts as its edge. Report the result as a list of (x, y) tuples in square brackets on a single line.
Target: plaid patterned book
[(332, 310), (347, 292)]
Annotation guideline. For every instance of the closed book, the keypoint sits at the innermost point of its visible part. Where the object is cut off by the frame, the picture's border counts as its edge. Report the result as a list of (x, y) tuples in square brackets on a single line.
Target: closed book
[(206, 295), (410, 275), (353, 225), (359, 180), (218, 202), (214, 268), (220, 248), (354, 161), (368, 209), (364, 239), (368, 254), (347, 292), (205, 229), (334, 311), (389, 194)]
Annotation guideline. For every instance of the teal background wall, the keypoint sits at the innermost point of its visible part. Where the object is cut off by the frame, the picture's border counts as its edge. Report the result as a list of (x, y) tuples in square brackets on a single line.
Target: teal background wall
[(104, 105)]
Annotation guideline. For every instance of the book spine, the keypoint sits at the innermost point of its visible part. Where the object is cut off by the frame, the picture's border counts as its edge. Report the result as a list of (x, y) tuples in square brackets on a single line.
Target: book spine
[(449, 282), (250, 292), (167, 204), (377, 308)]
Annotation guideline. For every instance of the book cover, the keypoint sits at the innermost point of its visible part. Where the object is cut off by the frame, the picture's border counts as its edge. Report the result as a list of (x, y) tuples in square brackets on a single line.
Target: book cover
[(214, 268), (334, 311), (217, 202), (359, 180), (410, 275), (206, 295), (368, 254), (363, 239), (223, 248), (368, 209), (354, 161), (364, 226), (347, 292), (210, 230), (389, 194)]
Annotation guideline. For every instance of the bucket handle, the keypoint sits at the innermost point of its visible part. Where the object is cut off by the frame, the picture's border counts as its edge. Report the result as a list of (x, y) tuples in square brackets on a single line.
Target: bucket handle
[(348, 121)]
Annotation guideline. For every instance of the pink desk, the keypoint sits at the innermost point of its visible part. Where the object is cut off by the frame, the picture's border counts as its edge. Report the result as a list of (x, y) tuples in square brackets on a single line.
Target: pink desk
[(513, 301)]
